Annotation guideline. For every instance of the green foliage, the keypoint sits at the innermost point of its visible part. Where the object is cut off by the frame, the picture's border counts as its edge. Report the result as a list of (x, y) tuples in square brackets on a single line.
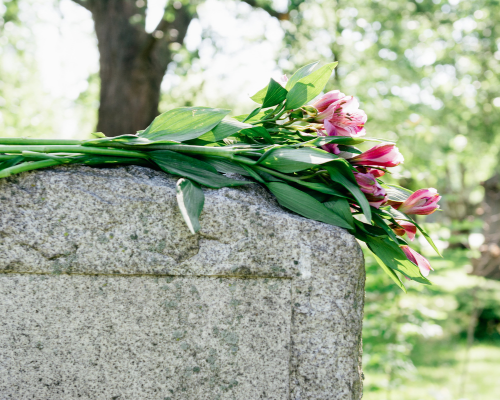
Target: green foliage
[(341, 173), (224, 129), (308, 87), (299, 74), (189, 167), (183, 124), (426, 74), (190, 199), (413, 343), (294, 160), (303, 204)]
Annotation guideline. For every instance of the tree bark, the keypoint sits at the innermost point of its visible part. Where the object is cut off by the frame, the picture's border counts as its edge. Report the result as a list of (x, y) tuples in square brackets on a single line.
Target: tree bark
[(132, 61), (488, 265)]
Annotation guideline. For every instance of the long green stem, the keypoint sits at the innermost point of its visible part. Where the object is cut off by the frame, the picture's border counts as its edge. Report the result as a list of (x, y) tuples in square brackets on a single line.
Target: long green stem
[(277, 174), (28, 141), (5, 157), (28, 166), (279, 130), (73, 149), (244, 160), (276, 114), (313, 175), (280, 110), (203, 150)]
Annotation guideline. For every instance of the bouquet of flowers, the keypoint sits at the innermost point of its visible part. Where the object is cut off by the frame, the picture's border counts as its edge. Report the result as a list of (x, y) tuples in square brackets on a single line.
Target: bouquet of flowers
[(304, 154)]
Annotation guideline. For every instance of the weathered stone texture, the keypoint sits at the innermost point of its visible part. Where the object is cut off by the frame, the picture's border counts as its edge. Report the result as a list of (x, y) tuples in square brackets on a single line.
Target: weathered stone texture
[(144, 338), (105, 293)]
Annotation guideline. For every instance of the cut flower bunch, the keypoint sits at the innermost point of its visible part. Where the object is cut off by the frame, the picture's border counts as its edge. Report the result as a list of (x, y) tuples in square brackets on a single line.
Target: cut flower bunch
[(304, 154)]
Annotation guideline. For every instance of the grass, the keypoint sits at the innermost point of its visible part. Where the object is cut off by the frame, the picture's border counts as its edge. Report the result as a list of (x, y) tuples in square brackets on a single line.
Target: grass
[(439, 375)]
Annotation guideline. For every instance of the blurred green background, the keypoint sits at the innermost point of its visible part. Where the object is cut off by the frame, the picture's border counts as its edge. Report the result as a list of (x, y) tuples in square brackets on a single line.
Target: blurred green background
[(427, 73)]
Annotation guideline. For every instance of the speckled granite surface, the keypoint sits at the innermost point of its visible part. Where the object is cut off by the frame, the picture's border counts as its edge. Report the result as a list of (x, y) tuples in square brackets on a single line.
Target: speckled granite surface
[(104, 293)]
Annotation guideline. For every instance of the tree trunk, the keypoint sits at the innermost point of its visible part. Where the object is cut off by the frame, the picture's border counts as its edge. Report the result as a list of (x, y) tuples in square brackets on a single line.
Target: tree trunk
[(130, 80), (488, 265), (132, 61)]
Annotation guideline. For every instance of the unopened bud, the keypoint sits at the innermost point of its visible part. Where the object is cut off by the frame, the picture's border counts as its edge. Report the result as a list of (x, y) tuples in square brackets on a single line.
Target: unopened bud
[(310, 110)]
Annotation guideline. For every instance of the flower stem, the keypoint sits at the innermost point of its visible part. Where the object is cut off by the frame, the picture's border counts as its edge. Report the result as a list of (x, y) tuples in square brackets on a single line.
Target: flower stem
[(73, 149), (5, 157), (28, 141), (28, 166)]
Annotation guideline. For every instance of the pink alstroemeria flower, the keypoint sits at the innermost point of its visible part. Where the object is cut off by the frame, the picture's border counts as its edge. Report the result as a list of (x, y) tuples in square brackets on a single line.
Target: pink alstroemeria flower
[(381, 155), (422, 202), (375, 194), (343, 118), (327, 99), (419, 260), (405, 227)]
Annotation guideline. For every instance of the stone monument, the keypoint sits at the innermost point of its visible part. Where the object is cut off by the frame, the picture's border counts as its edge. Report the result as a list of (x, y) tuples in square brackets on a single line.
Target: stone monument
[(105, 294)]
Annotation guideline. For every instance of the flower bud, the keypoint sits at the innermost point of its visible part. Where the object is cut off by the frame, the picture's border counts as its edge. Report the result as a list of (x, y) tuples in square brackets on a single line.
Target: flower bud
[(375, 194), (405, 227), (422, 202), (419, 260), (382, 155), (310, 110)]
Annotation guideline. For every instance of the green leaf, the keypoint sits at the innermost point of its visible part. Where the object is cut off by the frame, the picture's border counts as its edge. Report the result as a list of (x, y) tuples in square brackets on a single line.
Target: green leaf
[(98, 134), (370, 229), (268, 177), (189, 167), (224, 129), (397, 193), (260, 95), (225, 166), (340, 172), (349, 149), (251, 117), (286, 159), (11, 162), (398, 215), (275, 94), (305, 205), (392, 256), (395, 213), (299, 74), (253, 174), (427, 237), (321, 187), (341, 207), (343, 140), (258, 131), (391, 273), (380, 222), (423, 232), (190, 199), (308, 87), (181, 124)]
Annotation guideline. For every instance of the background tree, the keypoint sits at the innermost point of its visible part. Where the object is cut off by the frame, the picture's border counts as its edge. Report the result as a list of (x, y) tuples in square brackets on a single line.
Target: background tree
[(133, 62)]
